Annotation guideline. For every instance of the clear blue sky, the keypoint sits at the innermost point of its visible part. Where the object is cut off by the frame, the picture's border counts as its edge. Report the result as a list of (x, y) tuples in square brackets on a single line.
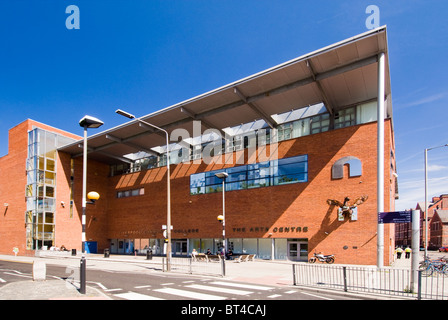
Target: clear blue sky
[(144, 55)]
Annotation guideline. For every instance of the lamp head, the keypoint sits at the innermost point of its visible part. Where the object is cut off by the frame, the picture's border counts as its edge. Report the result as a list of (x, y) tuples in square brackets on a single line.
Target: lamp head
[(93, 196), (222, 175), (90, 122), (220, 218), (125, 114)]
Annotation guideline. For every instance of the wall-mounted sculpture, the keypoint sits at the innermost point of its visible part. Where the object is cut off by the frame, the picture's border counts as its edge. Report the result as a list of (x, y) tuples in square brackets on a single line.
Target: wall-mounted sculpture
[(346, 209)]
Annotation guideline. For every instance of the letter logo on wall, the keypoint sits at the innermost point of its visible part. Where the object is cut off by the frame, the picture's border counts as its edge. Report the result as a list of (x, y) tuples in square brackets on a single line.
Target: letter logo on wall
[(354, 167)]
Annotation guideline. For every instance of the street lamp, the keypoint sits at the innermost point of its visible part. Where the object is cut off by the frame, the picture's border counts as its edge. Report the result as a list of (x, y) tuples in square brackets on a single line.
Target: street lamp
[(426, 195), (222, 218), (86, 122), (168, 224)]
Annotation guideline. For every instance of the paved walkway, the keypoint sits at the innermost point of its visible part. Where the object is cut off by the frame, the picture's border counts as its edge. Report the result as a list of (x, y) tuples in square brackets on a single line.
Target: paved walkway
[(277, 273)]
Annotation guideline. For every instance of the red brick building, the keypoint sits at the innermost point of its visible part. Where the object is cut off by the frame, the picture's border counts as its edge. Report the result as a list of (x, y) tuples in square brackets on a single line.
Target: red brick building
[(294, 141)]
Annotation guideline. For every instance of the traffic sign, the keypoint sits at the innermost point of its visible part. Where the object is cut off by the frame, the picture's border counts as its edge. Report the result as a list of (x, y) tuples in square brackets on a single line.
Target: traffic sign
[(395, 217)]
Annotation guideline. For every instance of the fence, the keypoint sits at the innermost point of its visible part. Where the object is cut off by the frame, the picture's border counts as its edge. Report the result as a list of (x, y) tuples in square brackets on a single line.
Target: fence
[(187, 265), (385, 281)]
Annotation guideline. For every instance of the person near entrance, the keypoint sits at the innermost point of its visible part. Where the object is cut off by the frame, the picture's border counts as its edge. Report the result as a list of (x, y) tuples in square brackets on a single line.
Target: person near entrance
[(399, 251), (407, 252)]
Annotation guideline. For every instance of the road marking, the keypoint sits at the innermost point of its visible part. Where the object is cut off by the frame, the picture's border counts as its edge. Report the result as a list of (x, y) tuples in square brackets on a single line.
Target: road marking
[(99, 284), (190, 294), (111, 290), (17, 275), (142, 287), (166, 284), (291, 291), (274, 296), (223, 290), (136, 296), (1, 280), (240, 285), (316, 296)]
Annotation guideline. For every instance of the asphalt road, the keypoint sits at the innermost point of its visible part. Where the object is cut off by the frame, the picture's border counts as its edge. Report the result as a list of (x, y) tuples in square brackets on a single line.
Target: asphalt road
[(155, 286)]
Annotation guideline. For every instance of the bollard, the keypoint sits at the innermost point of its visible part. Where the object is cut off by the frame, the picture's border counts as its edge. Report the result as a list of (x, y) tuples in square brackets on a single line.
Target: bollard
[(148, 254), (344, 273), (39, 271), (82, 270)]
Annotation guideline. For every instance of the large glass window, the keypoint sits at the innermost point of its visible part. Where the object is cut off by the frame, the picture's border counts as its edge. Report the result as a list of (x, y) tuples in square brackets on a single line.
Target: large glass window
[(263, 174), (40, 191)]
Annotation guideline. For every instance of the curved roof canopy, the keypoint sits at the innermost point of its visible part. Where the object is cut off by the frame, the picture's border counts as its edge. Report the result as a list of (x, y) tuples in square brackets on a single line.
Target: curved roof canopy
[(341, 75)]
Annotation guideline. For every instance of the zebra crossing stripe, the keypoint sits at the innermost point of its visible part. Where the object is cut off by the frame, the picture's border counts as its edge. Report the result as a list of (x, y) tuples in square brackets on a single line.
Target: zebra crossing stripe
[(223, 290), (240, 285), (189, 294), (136, 296)]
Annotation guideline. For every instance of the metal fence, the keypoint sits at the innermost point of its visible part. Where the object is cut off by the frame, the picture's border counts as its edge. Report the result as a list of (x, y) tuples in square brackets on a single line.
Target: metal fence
[(187, 265), (384, 281)]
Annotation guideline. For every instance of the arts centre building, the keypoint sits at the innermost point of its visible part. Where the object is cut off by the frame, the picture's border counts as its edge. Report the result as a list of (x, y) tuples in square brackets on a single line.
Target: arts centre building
[(305, 163)]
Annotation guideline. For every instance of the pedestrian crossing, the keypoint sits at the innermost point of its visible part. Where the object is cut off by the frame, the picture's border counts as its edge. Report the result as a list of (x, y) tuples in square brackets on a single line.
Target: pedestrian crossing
[(212, 290)]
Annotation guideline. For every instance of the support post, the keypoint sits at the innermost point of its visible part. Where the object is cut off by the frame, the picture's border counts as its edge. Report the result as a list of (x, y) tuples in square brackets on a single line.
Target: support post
[(84, 191), (380, 158), (415, 246)]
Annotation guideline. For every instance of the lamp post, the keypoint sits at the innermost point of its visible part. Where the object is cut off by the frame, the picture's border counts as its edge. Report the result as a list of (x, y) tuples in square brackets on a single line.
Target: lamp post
[(426, 195), (86, 122), (168, 218), (222, 218)]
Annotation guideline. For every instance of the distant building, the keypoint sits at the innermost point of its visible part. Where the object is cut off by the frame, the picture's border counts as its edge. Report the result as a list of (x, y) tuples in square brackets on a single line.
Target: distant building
[(437, 225)]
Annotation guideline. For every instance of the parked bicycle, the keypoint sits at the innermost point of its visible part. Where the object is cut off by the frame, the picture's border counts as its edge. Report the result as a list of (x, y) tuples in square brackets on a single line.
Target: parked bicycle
[(429, 267)]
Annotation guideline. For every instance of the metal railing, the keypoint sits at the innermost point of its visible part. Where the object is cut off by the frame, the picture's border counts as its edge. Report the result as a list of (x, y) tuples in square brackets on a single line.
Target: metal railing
[(188, 265), (383, 281)]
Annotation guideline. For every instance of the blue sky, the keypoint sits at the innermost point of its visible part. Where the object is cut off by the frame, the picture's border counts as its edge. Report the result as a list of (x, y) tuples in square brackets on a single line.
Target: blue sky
[(144, 55)]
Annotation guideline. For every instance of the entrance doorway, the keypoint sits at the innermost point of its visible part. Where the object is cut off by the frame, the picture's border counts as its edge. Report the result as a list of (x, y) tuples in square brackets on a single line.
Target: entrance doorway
[(297, 250), (180, 247)]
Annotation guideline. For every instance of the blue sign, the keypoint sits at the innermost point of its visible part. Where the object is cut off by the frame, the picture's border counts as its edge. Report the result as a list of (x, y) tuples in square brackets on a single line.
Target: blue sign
[(395, 217)]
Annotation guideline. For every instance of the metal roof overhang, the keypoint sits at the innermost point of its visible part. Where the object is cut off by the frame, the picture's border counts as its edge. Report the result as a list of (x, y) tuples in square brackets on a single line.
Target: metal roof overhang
[(340, 75)]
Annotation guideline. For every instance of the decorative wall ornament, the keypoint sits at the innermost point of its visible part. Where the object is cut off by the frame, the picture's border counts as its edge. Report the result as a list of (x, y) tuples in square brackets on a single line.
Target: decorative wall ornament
[(354, 167), (346, 209)]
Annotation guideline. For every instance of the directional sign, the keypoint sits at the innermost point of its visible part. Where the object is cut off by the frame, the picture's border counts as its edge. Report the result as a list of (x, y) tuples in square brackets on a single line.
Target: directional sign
[(395, 217)]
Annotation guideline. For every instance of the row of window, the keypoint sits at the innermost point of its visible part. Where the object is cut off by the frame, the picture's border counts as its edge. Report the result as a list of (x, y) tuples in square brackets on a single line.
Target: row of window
[(131, 193), (263, 174), (290, 130)]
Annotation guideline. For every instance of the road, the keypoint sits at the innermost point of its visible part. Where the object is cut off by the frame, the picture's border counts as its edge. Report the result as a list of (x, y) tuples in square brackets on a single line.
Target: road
[(163, 286)]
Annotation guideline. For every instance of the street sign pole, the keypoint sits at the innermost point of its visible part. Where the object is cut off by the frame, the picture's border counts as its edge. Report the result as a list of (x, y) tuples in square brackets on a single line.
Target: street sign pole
[(415, 246)]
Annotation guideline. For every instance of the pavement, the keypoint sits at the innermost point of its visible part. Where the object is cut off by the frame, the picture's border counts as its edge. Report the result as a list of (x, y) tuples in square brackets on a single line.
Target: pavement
[(277, 273)]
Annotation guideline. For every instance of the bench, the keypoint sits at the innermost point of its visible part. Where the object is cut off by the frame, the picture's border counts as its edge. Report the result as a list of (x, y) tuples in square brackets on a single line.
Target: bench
[(206, 257), (199, 257), (213, 257), (245, 257)]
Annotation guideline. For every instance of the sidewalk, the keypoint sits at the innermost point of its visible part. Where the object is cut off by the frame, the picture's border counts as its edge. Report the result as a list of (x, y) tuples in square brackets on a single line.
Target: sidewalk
[(276, 273)]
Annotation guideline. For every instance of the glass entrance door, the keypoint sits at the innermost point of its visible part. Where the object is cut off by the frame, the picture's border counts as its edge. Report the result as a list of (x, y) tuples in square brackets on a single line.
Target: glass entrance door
[(297, 250), (179, 247)]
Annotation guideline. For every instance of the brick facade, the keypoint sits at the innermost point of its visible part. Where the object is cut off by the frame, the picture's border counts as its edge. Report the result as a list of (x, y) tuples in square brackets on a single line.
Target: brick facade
[(12, 187), (297, 210), (289, 211)]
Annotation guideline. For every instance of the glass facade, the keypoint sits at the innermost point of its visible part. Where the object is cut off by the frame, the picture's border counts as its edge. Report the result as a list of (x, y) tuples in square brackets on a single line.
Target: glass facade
[(263, 174), (40, 192)]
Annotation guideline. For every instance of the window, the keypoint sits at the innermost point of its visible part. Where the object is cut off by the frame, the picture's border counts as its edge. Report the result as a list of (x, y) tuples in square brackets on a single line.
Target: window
[(344, 118), (131, 193), (263, 174), (320, 123)]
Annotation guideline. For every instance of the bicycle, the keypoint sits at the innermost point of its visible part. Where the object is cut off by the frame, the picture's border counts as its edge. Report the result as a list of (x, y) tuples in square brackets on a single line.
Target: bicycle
[(428, 267)]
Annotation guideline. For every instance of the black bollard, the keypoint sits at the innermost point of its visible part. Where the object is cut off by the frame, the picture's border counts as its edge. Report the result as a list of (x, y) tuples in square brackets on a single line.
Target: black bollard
[(82, 286)]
